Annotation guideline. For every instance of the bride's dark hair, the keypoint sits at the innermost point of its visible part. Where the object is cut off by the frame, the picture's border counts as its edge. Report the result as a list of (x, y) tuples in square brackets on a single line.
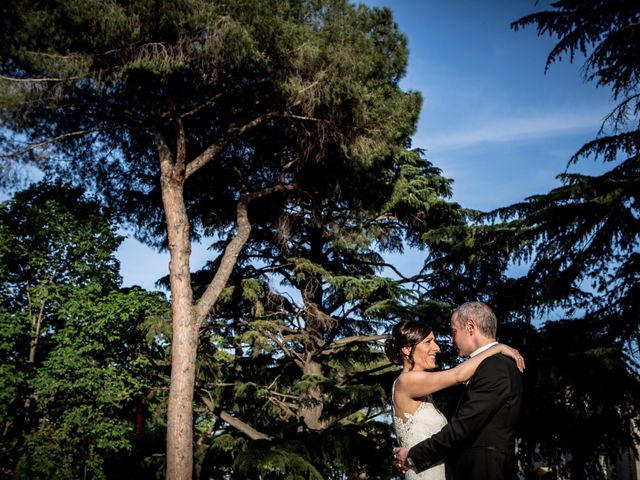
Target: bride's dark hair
[(407, 333)]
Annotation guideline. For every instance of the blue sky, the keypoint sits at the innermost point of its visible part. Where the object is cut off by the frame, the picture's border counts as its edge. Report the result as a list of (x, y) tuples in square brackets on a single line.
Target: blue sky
[(491, 120)]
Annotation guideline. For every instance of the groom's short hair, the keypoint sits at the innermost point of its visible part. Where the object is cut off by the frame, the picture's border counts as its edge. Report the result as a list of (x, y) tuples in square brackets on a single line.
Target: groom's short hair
[(481, 314)]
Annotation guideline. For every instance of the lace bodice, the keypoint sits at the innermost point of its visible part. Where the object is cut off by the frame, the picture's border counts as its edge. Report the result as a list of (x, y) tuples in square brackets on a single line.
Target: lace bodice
[(418, 426)]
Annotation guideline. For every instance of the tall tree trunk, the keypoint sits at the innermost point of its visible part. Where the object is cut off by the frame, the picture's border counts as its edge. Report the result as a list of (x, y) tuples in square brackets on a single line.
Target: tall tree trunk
[(184, 342)]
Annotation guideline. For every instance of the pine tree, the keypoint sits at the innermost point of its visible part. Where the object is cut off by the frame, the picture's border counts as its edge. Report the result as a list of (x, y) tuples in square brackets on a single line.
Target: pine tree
[(303, 317)]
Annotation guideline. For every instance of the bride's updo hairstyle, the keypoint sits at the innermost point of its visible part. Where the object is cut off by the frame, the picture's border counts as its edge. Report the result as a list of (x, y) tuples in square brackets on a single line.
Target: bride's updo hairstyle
[(407, 333)]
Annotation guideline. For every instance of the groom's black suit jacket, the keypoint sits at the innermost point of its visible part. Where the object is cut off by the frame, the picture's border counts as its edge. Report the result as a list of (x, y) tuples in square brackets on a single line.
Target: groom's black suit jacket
[(479, 439)]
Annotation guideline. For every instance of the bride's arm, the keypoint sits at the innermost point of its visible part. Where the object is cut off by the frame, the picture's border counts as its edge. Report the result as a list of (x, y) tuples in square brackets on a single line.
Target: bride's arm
[(418, 384)]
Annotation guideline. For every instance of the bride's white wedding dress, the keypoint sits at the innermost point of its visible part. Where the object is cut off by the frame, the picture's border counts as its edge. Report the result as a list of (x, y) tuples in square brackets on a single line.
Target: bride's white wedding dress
[(418, 426)]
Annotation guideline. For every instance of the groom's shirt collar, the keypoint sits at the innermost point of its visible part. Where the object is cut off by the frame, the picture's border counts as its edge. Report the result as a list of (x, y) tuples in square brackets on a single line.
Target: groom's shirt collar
[(483, 348)]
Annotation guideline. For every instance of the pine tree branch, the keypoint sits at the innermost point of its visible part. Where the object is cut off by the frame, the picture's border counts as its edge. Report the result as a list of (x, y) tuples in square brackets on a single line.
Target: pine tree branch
[(231, 134), (403, 279), (290, 353), (617, 116), (235, 422), (356, 377), (359, 339), (324, 120), (195, 109), (287, 408), (232, 251), (346, 341), (37, 80), (64, 136), (352, 409), (241, 426)]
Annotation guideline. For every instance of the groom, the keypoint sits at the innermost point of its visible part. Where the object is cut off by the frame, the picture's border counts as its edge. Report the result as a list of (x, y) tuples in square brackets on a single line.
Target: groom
[(480, 437)]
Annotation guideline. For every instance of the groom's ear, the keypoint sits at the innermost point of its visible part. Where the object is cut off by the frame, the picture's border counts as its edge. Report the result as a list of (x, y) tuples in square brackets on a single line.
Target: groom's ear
[(470, 326)]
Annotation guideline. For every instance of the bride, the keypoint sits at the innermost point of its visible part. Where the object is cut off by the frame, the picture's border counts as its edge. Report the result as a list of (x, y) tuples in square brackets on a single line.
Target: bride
[(415, 416)]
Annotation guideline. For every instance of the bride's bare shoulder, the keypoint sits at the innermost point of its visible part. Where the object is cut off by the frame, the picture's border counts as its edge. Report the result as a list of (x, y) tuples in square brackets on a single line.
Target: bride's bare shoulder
[(406, 379)]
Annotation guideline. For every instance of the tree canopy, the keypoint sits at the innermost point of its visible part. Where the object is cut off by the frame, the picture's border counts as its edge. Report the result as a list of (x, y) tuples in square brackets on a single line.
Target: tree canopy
[(583, 238)]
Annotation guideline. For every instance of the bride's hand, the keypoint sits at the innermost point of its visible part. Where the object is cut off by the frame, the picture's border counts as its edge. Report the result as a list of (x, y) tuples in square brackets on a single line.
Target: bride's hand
[(513, 353), (400, 459)]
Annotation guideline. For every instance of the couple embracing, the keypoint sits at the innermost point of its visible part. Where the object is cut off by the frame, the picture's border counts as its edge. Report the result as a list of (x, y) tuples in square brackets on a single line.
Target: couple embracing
[(478, 442)]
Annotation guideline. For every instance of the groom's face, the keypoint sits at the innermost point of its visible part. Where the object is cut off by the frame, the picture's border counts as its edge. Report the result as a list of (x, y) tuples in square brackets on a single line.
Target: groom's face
[(460, 337)]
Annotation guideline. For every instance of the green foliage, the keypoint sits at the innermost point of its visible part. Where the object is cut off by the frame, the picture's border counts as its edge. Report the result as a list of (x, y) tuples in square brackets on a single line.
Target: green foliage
[(51, 244), (332, 453), (565, 406), (76, 369), (13, 371), (88, 387), (325, 73), (288, 462)]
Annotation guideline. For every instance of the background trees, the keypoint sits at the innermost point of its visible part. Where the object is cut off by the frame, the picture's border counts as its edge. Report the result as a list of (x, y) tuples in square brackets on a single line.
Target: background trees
[(77, 369), (583, 240), (586, 232)]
